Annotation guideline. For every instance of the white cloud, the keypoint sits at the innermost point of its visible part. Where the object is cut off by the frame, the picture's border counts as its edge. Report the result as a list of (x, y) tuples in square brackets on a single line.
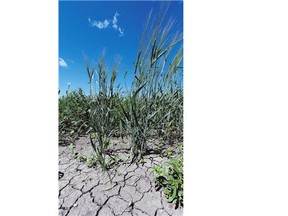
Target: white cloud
[(115, 20), (100, 25), (121, 31), (115, 26), (62, 63), (106, 23)]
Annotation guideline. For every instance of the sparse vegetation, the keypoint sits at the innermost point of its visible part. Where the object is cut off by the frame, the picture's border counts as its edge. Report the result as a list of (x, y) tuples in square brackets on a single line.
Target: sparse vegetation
[(151, 109)]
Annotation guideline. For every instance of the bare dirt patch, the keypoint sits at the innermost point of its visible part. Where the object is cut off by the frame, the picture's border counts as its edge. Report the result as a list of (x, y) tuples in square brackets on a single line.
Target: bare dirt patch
[(87, 191)]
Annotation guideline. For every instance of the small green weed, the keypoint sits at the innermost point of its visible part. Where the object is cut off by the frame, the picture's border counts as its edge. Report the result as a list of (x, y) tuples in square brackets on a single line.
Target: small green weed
[(90, 161), (142, 161), (71, 149), (81, 157), (170, 178)]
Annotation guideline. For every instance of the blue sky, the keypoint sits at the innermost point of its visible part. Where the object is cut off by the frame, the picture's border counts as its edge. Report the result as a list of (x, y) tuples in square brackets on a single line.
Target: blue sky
[(89, 27)]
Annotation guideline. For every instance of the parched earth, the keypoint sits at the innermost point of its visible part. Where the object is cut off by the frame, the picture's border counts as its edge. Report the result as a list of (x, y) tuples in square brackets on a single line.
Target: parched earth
[(88, 191)]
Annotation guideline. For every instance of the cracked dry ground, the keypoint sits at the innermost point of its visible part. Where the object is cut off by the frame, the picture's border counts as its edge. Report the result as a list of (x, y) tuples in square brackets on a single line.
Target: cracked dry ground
[(87, 191)]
